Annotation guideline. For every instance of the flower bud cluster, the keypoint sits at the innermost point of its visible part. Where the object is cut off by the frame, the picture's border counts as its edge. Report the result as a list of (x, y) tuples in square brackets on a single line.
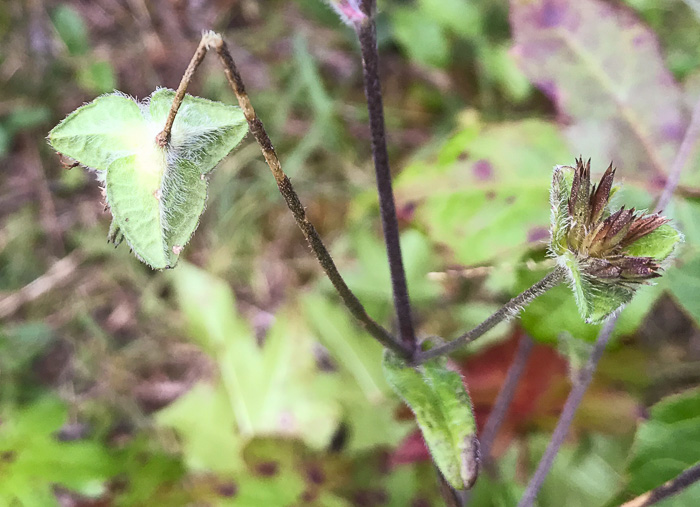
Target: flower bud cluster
[(608, 254)]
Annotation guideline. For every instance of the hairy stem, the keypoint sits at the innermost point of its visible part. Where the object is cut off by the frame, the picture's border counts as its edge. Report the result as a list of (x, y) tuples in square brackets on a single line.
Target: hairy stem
[(292, 199), (163, 138), (366, 32), (576, 394), (567, 416), (505, 397), (507, 311), (686, 479)]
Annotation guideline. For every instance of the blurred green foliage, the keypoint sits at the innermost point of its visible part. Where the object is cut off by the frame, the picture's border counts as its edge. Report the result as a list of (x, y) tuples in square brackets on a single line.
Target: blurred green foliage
[(238, 378), (665, 445)]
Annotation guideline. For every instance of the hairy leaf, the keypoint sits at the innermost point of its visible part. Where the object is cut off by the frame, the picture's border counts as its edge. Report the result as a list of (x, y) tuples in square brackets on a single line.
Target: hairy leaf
[(658, 244), (597, 299), (156, 194), (444, 414), (555, 312)]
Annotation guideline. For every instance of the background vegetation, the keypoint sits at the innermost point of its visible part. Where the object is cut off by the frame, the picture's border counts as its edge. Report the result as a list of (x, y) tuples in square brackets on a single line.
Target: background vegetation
[(237, 378)]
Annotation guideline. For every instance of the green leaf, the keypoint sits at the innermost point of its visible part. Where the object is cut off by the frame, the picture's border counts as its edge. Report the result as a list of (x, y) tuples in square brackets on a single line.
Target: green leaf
[(102, 131), (359, 384), (559, 202), (665, 445), (432, 47), (371, 280), (683, 279), (583, 475), (683, 282), (463, 18), (156, 194), (152, 475), (443, 412), (498, 64), (34, 460), (483, 201), (97, 77), (269, 389), (204, 421), (356, 352)]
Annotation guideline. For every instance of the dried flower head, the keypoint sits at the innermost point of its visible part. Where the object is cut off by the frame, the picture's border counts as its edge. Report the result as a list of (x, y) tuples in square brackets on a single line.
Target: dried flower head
[(608, 255)]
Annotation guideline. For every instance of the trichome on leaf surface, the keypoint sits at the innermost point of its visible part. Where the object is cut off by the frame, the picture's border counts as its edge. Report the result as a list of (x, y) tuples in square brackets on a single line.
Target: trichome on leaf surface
[(438, 398), (156, 193)]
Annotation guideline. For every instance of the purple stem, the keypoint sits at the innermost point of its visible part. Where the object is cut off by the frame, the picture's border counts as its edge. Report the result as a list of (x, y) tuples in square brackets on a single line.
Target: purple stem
[(567, 415), (505, 396), (367, 35)]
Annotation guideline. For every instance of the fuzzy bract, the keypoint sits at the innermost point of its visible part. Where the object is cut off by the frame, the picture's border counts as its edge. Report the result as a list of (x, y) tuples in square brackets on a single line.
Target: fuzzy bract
[(156, 194)]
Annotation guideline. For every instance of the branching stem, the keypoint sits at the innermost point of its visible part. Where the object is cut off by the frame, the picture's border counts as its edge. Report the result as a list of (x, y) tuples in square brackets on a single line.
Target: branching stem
[(211, 40), (292, 199), (507, 311), (367, 35)]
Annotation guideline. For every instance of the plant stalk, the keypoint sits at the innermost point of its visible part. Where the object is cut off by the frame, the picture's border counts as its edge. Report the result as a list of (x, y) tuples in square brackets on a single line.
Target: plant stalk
[(506, 312), (163, 138), (295, 206), (366, 33), (500, 407), (505, 397), (567, 416)]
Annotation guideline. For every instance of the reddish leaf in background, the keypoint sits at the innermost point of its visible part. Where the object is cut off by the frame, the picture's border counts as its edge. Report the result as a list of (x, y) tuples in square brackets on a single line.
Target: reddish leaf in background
[(604, 71), (541, 392)]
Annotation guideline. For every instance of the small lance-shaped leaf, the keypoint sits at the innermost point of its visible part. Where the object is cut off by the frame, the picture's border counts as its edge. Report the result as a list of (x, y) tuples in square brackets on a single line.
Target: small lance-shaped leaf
[(156, 194), (608, 255), (444, 414)]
